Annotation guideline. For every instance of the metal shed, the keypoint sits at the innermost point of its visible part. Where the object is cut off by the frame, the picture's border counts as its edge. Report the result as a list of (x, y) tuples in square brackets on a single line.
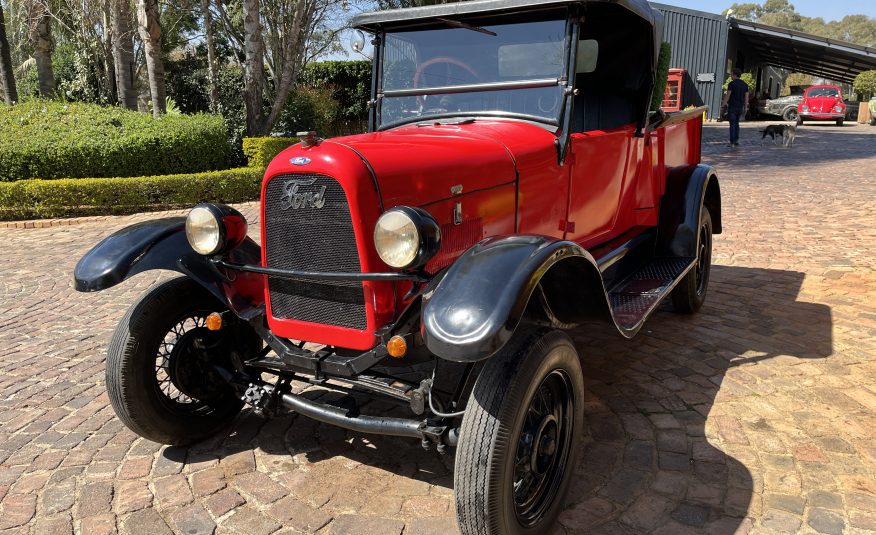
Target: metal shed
[(709, 46), (699, 45)]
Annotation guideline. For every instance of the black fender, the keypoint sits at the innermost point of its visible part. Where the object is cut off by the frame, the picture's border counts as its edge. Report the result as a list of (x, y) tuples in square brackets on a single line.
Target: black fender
[(688, 189), (477, 304), (162, 244)]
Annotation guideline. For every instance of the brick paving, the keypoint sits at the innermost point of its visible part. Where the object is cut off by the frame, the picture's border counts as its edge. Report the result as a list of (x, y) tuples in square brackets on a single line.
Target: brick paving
[(756, 416)]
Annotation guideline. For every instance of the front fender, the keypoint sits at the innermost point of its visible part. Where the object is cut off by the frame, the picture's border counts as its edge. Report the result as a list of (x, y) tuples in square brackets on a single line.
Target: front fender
[(162, 244), (478, 303)]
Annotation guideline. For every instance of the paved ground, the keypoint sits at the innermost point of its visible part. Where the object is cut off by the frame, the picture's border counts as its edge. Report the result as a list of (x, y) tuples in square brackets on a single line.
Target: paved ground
[(758, 415)]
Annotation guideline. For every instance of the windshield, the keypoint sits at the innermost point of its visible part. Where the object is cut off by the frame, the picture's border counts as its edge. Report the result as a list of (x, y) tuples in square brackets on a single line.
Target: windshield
[(823, 92), (511, 69)]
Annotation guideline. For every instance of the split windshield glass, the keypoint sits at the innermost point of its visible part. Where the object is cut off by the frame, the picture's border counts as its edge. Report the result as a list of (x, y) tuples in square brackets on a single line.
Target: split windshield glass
[(463, 69)]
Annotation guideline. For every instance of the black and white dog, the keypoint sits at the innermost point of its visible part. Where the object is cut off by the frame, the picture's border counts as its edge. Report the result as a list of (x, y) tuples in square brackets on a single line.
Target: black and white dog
[(786, 132)]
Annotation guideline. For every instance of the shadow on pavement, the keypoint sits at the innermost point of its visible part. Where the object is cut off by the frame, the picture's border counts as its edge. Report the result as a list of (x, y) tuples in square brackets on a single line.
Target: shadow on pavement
[(815, 143), (646, 465)]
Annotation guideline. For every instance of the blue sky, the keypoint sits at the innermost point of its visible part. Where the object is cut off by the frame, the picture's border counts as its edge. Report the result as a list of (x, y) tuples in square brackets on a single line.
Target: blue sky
[(828, 10)]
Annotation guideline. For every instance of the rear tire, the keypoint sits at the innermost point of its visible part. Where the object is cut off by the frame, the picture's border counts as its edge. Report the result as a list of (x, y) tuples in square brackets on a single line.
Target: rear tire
[(158, 385), (518, 446), (872, 121), (690, 294)]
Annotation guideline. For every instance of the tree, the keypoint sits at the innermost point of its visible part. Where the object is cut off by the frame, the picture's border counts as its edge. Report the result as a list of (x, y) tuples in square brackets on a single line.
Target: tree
[(7, 79), (212, 68), (150, 33), (865, 84), (123, 52), (40, 33), (253, 67)]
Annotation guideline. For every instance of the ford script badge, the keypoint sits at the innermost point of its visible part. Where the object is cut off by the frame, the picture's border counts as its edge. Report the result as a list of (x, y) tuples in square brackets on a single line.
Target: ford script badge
[(299, 160), (296, 195)]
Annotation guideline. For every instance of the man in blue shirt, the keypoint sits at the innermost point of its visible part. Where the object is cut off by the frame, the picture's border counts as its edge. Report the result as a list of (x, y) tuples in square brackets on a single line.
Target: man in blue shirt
[(736, 102)]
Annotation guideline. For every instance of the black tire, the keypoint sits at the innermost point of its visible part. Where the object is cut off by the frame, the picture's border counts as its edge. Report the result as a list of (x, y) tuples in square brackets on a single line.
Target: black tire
[(799, 121), (690, 294), (790, 115), (498, 419), (157, 388), (872, 121), (839, 122)]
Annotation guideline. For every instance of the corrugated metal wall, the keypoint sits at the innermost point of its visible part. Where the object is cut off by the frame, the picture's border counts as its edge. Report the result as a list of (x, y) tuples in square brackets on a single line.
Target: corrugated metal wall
[(699, 45)]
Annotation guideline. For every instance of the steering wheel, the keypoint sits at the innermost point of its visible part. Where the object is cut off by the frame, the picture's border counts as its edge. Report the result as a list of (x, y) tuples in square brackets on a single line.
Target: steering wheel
[(443, 59)]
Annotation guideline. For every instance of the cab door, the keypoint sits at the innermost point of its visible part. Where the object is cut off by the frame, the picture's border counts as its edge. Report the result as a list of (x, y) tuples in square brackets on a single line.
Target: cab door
[(598, 177)]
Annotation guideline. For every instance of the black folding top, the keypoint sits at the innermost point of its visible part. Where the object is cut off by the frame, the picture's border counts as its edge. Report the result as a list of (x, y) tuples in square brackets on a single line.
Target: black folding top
[(399, 17)]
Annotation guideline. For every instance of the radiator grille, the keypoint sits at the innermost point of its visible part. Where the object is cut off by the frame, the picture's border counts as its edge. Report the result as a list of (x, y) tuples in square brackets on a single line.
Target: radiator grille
[(303, 234)]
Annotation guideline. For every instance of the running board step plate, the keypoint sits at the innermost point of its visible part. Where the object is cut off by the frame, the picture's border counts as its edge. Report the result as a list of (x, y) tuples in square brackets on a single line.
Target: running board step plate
[(633, 300)]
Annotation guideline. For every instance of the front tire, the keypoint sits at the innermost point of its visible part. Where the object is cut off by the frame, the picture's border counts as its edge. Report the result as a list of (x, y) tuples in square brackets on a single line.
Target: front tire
[(799, 121), (519, 439), (690, 294), (157, 382), (872, 121), (790, 115)]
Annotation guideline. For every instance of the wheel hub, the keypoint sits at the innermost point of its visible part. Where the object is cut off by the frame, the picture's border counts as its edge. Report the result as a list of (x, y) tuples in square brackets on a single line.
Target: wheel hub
[(187, 369), (545, 445)]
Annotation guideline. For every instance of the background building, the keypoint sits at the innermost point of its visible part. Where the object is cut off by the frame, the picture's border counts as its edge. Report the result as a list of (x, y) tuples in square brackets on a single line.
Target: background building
[(708, 46)]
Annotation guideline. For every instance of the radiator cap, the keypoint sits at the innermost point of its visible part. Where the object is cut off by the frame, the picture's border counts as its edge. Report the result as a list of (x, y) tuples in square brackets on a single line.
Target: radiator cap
[(308, 139)]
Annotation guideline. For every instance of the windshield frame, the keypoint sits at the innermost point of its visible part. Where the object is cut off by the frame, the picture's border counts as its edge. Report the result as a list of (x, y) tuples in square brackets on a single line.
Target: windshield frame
[(379, 93)]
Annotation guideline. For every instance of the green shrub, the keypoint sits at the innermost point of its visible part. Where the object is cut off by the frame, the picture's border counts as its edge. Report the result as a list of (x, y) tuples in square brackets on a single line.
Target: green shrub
[(42, 139), (260, 151), (28, 199), (865, 84), (746, 77), (663, 61), (349, 82)]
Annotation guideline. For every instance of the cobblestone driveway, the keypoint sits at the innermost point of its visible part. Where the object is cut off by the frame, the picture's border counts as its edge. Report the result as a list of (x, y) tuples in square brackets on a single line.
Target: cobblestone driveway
[(758, 415)]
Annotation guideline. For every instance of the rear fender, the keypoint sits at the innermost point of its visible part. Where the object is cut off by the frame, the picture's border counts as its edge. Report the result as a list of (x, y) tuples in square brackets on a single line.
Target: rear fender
[(471, 313), (688, 189), (162, 244)]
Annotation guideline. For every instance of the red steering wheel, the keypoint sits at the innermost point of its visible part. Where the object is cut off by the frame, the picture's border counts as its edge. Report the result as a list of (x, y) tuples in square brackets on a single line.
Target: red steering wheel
[(443, 59)]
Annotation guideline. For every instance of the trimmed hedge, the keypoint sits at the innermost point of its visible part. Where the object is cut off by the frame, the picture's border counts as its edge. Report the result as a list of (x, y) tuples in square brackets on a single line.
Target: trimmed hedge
[(259, 151), (43, 139), (30, 199)]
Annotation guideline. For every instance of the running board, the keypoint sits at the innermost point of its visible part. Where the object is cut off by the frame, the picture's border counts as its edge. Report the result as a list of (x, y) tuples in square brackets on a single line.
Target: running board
[(634, 299)]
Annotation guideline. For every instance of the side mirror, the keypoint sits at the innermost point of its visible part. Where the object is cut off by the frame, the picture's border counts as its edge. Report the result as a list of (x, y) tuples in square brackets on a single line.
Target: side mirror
[(588, 53), (357, 41)]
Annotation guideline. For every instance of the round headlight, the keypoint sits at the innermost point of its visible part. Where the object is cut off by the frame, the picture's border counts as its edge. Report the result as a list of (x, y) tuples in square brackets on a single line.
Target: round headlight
[(204, 231), (406, 237)]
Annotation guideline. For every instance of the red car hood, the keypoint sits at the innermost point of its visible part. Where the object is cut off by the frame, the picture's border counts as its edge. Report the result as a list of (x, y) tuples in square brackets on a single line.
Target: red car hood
[(821, 104), (417, 165)]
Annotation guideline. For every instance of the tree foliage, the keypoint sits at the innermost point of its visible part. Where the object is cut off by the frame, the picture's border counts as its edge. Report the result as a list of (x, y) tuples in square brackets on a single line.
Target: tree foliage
[(865, 84), (857, 29)]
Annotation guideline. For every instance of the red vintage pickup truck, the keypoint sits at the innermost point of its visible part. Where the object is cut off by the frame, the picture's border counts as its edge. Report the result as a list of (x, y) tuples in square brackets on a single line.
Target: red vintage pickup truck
[(513, 186)]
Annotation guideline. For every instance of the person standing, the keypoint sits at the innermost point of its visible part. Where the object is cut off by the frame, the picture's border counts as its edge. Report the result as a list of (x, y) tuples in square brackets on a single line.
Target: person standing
[(736, 102)]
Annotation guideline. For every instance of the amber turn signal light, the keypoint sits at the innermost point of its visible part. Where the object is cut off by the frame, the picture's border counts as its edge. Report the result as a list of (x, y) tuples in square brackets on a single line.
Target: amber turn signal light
[(214, 321), (397, 347)]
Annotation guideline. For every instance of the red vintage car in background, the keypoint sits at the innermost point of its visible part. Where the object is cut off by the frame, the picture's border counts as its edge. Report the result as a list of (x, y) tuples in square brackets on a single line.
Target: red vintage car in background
[(822, 103), (513, 186)]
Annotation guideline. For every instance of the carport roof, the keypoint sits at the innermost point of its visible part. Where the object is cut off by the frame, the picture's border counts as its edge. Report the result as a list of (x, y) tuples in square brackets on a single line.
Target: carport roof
[(806, 53)]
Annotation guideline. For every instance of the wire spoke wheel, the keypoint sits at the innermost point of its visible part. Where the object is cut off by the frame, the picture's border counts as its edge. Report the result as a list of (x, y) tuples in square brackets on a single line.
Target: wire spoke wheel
[(164, 366), (172, 363)]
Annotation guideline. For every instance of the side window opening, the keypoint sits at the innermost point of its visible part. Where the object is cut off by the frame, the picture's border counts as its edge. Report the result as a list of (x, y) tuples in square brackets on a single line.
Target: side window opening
[(614, 92)]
